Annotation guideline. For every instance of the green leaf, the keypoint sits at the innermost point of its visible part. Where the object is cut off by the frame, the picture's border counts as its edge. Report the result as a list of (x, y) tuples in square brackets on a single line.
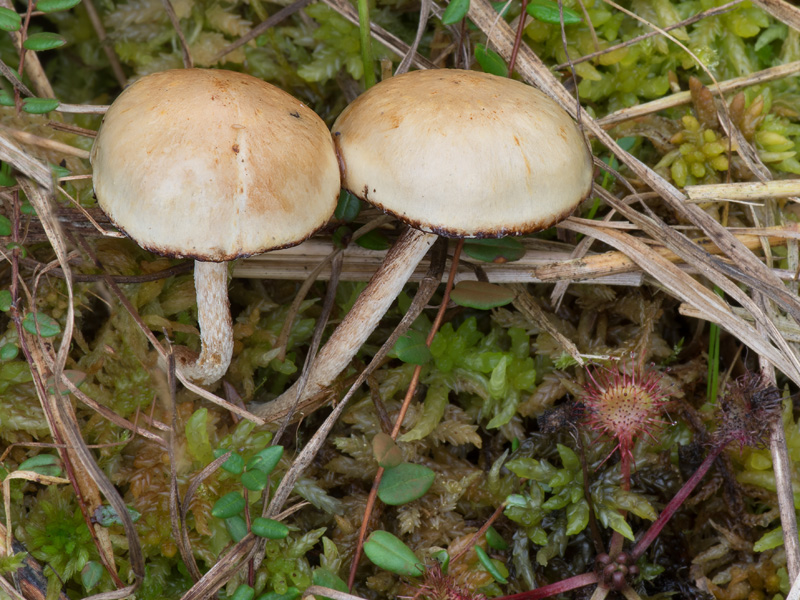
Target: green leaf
[(389, 553), (291, 593), (6, 99), (231, 504), (234, 464), (11, 246), (39, 106), (569, 459), (254, 480), (436, 401), (327, 578), (501, 250), (577, 517), (490, 61), (9, 351), (10, 20), (43, 464), (90, 574), (269, 528), (237, 527), (196, 431), (265, 460), (243, 592), (611, 518), (26, 208), (495, 540), (75, 377), (106, 515), (386, 451), (347, 207), (768, 541), (55, 5), (489, 565), (43, 41), (5, 300), (48, 326), (455, 11), (481, 295), (548, 12), (6, 179), (373, 240), (404, 483), (411, 348), (5, 226), (59, 171)]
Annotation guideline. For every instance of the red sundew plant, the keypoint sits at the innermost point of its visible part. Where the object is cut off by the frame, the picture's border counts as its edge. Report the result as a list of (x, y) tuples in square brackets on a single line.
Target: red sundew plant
[(624, 406)]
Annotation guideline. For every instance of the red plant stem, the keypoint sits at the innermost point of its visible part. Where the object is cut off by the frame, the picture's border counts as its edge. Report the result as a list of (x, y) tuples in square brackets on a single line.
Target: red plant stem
[(518, 38), (373, 493), (553, 589), (672, 507)]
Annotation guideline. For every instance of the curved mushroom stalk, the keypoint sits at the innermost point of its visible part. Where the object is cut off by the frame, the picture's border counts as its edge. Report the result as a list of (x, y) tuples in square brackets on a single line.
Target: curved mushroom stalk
[(358, 324), (216, 326)]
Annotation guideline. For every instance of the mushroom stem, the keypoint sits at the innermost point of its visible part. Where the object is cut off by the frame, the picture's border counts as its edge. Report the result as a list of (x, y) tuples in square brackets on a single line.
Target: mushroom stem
[(216, 327), (358, 324)]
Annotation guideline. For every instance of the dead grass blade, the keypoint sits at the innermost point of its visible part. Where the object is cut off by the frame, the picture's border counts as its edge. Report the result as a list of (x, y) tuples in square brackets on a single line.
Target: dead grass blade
[(526, 304), (36, 170), (683, 286), (743, 190), (782, 11), (221, 572)]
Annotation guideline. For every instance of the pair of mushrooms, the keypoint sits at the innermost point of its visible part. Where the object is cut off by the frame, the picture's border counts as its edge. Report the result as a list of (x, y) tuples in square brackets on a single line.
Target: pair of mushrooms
[(215, 165)]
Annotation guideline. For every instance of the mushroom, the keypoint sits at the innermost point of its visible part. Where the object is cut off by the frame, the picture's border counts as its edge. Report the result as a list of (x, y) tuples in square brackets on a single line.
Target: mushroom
[(453, 153), (213, 165)]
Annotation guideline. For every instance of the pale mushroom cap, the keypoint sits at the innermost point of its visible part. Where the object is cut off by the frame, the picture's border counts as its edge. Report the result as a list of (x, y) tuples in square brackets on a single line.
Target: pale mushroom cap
[(213, 165), (463, 154)]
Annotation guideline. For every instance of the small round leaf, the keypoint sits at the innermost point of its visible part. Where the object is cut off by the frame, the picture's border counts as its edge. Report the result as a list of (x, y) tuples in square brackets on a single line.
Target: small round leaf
[(501, 250), (386, 451), (6, 99), (495, 540), (243, 592), (229, 505), (490, 61), (39, 106), (269, 528), (47, 6), (455, 11), (411, 348), (481, 295), (254, 480), (234, 464), (237, 527), (266, 459), (547, 11), (5, 300), (48, 326), (91, 574), (391, 554), (291, 593), (404, 483), (348, 207), (489, 565), (10, 20), (9, 351), (5, 225), (43, 41), (373, 240)]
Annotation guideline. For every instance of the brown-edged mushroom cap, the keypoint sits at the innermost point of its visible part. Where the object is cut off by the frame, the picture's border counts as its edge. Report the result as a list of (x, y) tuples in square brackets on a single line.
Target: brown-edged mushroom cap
[(456, 153), (463, 154), (213, 165)]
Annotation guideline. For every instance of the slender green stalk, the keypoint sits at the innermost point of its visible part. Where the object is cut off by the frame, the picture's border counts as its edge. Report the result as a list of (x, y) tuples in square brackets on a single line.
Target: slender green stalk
[(366, 43)]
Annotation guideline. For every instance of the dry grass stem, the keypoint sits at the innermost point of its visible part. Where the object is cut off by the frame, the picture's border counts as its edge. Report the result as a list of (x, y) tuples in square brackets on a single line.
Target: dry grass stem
[(744, 190), (48, 144), (681, 98)]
